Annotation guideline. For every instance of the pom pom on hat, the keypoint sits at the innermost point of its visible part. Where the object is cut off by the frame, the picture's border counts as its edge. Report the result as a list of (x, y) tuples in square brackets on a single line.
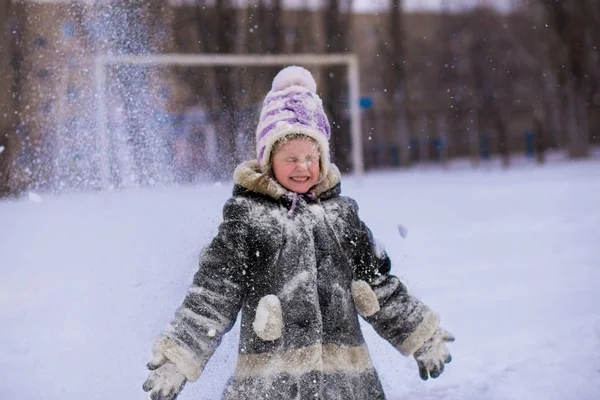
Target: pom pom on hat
[(294, 76)]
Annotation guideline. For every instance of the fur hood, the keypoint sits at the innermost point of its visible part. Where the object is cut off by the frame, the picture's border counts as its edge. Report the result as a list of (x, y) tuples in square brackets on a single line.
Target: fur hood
[(249, 176)]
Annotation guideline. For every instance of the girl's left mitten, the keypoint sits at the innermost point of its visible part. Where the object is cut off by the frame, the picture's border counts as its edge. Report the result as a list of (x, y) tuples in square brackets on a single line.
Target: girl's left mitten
[(434, 353)]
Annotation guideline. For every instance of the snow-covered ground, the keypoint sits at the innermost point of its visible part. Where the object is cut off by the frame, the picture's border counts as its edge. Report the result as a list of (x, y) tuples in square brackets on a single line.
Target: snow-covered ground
[(510, 259)]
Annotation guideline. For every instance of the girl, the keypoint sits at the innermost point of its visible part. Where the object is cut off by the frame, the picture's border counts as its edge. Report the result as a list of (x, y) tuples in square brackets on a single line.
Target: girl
[(294, 257)]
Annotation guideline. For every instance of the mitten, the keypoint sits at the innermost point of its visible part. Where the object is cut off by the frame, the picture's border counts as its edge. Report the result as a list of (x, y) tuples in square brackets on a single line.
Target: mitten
[(165, 381), (434, 353)]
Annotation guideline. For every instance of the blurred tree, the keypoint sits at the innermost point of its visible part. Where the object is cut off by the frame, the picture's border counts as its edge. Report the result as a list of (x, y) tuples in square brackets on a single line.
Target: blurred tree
[(305, 29), (6, 96), (492, 60), (220, 27), (263, 34), (270, 28), (537, 52), (469, 78), (540, 139), (12, 179), (394, 76), (576, 27), (212, 27), (337, 20), (449, 81)]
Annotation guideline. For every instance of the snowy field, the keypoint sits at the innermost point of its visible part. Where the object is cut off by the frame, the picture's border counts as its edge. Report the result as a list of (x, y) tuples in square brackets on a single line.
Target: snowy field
[(510, 259)]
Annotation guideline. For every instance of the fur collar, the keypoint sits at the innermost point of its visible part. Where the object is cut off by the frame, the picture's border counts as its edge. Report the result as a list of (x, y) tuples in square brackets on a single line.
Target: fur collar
[(249, 175)]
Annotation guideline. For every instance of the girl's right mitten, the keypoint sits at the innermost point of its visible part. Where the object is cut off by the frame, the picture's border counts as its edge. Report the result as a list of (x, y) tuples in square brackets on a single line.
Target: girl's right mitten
[(165, 381)]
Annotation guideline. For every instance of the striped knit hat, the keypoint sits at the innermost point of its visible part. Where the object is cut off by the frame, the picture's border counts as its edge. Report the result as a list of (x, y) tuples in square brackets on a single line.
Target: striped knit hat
[(292, 107)]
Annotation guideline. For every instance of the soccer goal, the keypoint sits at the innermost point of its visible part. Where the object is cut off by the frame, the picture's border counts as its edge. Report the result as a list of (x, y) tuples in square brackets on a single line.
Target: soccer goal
[(349, 60)]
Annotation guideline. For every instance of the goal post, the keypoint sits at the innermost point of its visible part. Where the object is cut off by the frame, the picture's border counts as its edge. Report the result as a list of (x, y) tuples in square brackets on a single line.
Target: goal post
[(348, 60)]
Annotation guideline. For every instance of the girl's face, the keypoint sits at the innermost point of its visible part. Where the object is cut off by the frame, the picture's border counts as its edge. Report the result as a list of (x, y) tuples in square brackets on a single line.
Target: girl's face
[(296, 164)]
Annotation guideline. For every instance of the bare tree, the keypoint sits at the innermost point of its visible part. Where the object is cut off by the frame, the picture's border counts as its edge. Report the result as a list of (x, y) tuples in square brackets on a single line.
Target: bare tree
[(6, 98), (211, 27), (537, 52), (394, 76), (337, 23), (493, 69), (575, 24), (263, 34), (12, 178), (227, 92)]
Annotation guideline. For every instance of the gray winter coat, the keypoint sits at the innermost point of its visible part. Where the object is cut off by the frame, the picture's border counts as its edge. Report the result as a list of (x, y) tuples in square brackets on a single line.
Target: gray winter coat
[(299, 281)]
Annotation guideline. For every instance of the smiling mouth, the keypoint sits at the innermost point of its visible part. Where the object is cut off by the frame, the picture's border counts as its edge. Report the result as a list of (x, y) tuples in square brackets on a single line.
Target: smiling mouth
[(299, 179)]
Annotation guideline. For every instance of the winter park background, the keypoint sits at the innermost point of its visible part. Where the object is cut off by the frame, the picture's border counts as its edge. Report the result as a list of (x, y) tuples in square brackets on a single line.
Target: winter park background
[(479, 120)]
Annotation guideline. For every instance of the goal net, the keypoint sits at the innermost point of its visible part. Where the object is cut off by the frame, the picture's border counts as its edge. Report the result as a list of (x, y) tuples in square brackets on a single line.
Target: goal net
[(208, 60)]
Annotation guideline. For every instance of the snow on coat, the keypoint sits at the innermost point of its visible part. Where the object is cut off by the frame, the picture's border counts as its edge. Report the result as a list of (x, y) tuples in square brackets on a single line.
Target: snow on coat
[(293, 279)]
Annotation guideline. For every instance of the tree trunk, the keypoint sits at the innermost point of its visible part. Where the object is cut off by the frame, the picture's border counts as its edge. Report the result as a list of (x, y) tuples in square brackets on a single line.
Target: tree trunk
[(503, 146), (540, 140), (552, 108), (227, 122), (474, 144), (443, 142), (575, 130), (583, 125), (336, 31), (395, 79), (402, 131), (16, 180), (423, 141), (6, 99), (573, 23)]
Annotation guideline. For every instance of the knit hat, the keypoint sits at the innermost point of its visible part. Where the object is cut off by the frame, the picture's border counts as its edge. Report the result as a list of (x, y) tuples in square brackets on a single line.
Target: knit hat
[(292, 107)]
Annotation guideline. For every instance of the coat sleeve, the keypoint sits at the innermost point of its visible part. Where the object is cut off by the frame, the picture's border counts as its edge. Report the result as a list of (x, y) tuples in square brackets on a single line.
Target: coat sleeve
[(214, 299), (401, 319)]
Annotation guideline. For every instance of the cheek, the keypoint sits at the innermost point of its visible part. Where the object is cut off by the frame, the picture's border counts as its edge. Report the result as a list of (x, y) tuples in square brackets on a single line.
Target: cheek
[(314, 170), (314, 167), (281, 170)]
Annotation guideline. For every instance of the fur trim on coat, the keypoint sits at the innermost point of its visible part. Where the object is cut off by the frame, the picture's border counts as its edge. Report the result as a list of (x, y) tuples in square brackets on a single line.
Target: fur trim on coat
[(249, 176)]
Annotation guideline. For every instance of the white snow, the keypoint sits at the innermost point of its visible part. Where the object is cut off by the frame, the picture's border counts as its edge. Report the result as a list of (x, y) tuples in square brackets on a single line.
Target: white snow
[(379, 248), (1, 149), (36, 198), (402, 231), (509, 259)]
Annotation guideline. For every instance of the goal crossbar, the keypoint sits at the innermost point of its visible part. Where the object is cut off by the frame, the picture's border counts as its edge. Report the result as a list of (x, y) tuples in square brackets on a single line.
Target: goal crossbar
[(349, 60)]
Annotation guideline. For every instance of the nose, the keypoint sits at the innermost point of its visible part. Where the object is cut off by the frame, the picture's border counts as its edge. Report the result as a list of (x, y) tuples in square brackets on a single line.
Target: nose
[(302, 165)]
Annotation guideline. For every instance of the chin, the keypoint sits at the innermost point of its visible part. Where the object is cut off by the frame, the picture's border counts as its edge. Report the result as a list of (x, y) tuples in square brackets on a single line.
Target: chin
[(300, 188)]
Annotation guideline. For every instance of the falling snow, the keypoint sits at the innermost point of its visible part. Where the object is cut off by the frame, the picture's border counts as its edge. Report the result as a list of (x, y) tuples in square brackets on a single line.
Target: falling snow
[(34, 197)]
